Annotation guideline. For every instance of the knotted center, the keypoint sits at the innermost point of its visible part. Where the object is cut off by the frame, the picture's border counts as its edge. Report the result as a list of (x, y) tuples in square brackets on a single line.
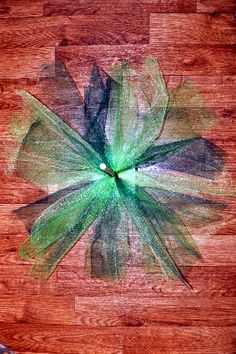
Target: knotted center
[(108, 170)]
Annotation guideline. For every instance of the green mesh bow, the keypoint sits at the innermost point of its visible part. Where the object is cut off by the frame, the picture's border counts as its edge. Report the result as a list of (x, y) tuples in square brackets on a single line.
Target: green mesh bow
[(140, 158)]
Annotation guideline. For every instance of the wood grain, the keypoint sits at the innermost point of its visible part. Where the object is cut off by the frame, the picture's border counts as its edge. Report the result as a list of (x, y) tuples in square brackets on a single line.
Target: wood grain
[(183, 60), (63, 339), (217, 91), (192, 28), (142, 313), (54, 31), (206, 281), (107, 7), (28, 309), (113, 29), (215, 249), (23, 63), (187, 340), (18, 9), (35, 32), (216, 6), (55, 339), (211, 281)]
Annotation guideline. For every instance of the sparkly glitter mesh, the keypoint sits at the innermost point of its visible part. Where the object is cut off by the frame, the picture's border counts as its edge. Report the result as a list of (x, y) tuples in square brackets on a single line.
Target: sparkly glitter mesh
[(164, 176)]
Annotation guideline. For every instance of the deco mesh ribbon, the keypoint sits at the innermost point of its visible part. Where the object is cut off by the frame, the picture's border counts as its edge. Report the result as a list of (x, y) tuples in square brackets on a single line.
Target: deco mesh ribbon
[(140, 160)]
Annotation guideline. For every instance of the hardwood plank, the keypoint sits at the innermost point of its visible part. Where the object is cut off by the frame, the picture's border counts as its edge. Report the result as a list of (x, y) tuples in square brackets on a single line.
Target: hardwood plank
[(174, 60), (16, 190), (24, 63), (72, 280), (35, 32), (205, 281), (218, 91), (16, 280), (107, 30), (23, 8), (54, 31), (62, 339), (191, 28), (215, 6), (71, 339), (10, 101), (216, 250), (216, 135), (180, 340), (37, 309), (226, 116), (119, 311), (92, 7), (143, 312)]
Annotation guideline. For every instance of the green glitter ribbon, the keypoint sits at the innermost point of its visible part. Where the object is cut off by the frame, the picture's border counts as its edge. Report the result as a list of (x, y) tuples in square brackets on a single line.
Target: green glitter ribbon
[(140, 159)]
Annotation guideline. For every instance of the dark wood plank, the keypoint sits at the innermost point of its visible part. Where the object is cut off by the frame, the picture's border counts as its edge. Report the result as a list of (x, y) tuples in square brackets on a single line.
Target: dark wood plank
[(37, 309), (82, 30), (109, 311), (180, 340), (24, 352), (62, 339), (20, 9), (113, 29), (102, 7), (35, 32), (216, 6), (192, 28), (24, 63)]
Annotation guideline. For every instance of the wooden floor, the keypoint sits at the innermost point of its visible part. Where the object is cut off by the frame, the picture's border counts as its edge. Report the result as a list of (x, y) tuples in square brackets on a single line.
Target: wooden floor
[(143, 313)]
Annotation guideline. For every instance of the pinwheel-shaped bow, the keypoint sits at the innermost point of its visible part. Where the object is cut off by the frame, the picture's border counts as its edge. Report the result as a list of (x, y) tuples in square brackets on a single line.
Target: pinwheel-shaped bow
[(141, 157)]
